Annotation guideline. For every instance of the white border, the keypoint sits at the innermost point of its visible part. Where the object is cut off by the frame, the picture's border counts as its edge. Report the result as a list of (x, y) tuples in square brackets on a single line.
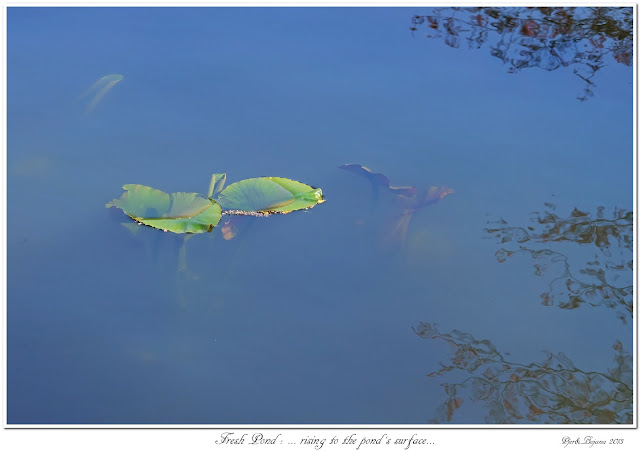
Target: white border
[(44, 436)]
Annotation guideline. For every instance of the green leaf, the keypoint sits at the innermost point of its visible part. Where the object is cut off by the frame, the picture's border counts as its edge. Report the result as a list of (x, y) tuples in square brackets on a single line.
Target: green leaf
[(141, 201), (269, 194), (175, 212), (216, 184)]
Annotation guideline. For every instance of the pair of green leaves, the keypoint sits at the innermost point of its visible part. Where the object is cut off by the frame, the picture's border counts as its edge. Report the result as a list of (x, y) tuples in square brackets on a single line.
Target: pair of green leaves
[(193, 213)]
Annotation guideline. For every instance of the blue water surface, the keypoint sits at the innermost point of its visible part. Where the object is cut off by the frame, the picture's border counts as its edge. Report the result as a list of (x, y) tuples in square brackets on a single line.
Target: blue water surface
[(310, 317)]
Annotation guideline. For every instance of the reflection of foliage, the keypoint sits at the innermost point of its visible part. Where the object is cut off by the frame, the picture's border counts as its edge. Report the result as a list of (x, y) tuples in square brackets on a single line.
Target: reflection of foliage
[(551, 391), (603, 281), (548, 38)]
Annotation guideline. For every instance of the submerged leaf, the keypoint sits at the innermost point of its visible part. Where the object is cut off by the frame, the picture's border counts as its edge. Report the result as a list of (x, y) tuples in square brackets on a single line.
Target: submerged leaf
[(228, 231), (407, 198), (101, 87), (269, 194), (433, 194), (398, 229), (375, 178), (424, 198), (378, 179), (175, 212)]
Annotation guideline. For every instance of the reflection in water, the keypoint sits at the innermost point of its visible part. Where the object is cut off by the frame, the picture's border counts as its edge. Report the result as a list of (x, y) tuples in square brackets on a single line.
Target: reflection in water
[(548, 38), (551, 391), (604, 280)]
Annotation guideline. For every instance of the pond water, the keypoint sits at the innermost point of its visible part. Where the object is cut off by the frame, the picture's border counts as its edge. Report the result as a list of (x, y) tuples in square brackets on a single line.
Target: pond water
[(501, 303)]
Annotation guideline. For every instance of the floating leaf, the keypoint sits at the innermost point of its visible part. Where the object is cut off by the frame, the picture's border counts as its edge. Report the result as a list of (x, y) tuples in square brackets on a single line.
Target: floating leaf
[(142, 201), (269, 195), (175, 212)]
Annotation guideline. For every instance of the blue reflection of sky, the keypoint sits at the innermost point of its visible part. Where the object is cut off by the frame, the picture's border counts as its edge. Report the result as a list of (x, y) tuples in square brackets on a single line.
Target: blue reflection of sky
[(302, 319)]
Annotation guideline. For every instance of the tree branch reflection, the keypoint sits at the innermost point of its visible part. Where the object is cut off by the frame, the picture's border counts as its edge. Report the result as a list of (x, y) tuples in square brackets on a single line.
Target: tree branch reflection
[(604, 280), (548, 38), (550, 391)]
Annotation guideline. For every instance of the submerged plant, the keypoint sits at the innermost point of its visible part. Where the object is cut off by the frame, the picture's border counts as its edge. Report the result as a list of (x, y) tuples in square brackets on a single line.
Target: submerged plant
[(100, 89), (194, 213), (408, 199)]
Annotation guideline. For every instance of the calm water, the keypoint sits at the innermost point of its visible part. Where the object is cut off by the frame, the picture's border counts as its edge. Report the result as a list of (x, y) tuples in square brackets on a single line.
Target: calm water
[(322, 316)]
